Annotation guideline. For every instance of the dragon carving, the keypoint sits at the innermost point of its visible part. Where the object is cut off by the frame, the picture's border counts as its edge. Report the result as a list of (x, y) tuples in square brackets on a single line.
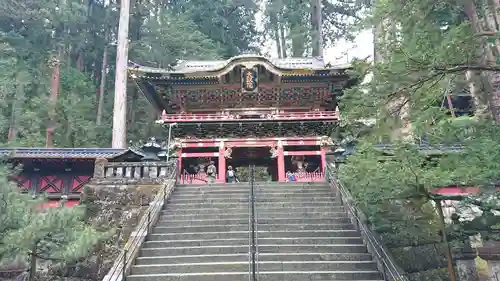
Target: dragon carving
[(274, 152), (326, 141), (227, 153)]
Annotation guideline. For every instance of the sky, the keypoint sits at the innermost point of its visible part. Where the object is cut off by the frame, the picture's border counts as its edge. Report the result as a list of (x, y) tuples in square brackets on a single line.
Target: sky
[(341, 53)]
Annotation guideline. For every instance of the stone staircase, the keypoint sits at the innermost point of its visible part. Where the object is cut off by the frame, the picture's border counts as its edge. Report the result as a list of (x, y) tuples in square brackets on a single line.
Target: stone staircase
[(302, 234)]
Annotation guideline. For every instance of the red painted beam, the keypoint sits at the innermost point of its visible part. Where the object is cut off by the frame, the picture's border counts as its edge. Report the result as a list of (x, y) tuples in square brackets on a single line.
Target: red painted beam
[(308, 116), (247, 143), (316, 138), (301, 142), (301, 153), (200, 154)]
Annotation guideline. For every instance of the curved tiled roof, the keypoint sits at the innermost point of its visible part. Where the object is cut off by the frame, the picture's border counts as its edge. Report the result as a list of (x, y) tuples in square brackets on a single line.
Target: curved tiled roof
[(193, 66), (82, 153)]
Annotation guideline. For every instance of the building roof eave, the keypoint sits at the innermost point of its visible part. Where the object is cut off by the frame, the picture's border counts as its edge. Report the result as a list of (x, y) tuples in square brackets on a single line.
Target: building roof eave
[(59, 153), (213, 69)]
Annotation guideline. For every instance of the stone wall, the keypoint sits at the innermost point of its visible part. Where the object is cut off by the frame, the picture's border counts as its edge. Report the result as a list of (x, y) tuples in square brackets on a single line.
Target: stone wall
[(116, 207)]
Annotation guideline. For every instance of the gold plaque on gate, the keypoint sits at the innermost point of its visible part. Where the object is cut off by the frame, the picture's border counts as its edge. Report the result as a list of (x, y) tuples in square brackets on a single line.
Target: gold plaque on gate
[(250, 80)]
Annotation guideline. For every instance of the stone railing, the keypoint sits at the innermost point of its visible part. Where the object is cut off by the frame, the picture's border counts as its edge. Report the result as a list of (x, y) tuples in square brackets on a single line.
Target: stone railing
[(125, 259), (133, 171)]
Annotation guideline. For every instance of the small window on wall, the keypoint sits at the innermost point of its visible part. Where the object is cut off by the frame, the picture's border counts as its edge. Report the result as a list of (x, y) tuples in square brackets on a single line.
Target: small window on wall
[(459, 105)]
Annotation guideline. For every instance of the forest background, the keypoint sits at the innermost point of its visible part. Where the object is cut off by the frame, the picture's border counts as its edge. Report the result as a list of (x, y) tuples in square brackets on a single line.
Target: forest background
[(80, 35)]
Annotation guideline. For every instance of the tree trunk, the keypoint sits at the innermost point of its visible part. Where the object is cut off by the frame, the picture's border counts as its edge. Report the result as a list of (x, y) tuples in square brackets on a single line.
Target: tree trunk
[(298, 43), (491, 80), (480, 106), (277, 39), (133, 105), (79, 61), (54, 92), (283, 39), (120, 103), (33, 263), (102, 87), (16, 108), (316, 25), (491, 24)]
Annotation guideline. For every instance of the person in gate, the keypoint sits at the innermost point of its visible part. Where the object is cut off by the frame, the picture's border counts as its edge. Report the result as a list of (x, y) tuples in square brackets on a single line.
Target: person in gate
[(211, 173), (231, 175)]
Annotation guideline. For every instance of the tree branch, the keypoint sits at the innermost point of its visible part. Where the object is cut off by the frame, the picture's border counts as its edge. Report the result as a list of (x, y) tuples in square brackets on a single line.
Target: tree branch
[(487, 33), (460, 68)]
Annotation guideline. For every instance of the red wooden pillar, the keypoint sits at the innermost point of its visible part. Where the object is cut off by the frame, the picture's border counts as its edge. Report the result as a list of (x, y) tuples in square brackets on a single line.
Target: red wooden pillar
[(281, 163), (179, 165), (222, 163), (323, 159)]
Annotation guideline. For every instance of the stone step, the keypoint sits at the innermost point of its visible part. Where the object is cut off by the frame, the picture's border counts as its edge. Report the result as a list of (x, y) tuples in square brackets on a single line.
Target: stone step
[(213, 191), (242, 203), (200, 201), (300, 226), (202, 276), (302, 198), (303, 208), (201, 205), (200, 250), (192, 259), (244, 234), (307, 233), (263, 276), (240, 214), (244, 241), (220, 209), (196, 228), (263, 266), (301, 204), (244, 227), (246, 198), (296, 275), (291, 187), (201, 222), (213, 216), (172, 210), (305, 256), (295, 191), (257, 194), (311, 248), (261, 257), (245, 220), (262, 248)]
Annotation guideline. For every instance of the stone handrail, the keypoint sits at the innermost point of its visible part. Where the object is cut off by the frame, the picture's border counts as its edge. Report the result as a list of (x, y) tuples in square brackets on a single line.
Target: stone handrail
[(125, 260), (134, 171)]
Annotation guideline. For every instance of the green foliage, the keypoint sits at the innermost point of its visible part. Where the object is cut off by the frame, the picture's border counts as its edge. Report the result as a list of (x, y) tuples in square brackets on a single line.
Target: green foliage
[(34, 32), (164, 41), (426, 50), (394, 195), (58, 234)]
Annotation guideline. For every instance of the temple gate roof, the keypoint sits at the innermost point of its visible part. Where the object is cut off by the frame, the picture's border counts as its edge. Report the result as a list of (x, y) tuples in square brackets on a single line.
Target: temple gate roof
[(193, 84), (201, 68)]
